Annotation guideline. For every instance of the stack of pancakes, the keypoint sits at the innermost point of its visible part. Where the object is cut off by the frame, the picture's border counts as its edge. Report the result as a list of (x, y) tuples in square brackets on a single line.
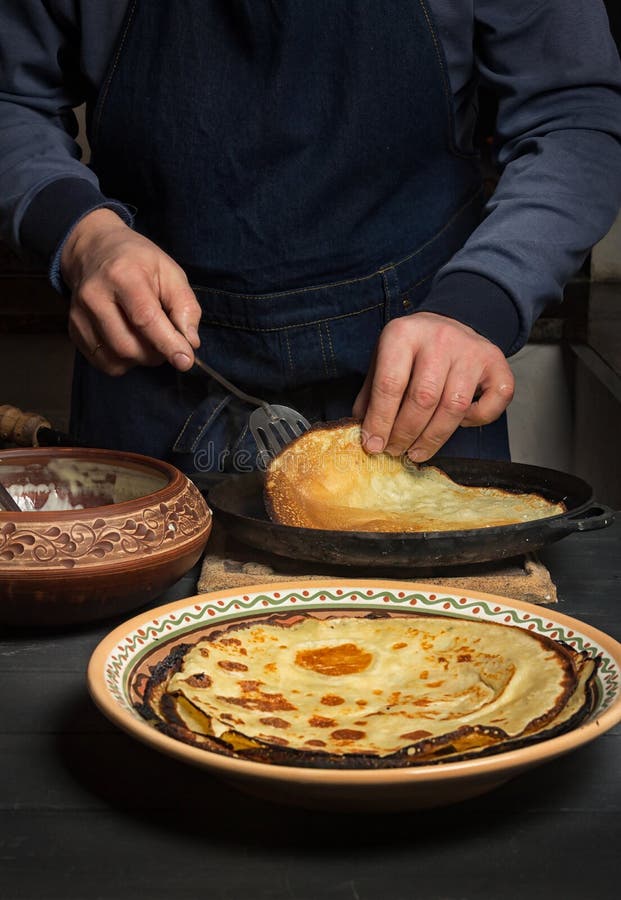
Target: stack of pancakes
[(368, 690)]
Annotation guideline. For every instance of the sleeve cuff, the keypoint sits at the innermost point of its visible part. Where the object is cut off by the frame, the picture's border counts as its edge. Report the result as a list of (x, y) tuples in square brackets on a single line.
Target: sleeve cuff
[(477, 302), (52, 214)]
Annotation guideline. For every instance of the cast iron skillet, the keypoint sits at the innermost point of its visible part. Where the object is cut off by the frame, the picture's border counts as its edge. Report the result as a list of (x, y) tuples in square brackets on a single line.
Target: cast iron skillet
[(237, 502)]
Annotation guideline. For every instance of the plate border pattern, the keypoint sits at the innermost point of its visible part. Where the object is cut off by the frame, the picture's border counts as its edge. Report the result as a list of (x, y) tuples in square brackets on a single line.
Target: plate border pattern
[(127, 654)]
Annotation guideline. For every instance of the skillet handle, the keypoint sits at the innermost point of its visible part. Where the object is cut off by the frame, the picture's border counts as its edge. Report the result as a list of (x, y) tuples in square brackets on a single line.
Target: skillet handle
[(597, 516)]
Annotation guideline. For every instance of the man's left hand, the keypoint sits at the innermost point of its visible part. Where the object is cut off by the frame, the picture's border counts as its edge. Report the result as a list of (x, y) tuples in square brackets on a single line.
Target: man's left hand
[(430, 374)]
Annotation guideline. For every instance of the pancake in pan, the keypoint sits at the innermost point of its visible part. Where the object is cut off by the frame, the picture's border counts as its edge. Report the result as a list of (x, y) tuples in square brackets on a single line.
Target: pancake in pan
[(324, 479)]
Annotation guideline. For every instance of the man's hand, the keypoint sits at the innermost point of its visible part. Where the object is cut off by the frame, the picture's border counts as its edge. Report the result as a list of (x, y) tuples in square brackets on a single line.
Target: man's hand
[(131, 304), (422, 385)]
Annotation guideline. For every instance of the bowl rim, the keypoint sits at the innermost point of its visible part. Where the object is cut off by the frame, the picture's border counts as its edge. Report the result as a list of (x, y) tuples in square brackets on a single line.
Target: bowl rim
[(175, 479), (500, 764)]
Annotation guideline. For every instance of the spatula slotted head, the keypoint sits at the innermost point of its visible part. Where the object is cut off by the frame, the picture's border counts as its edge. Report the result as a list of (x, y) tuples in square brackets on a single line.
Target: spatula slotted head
[(273, 426)]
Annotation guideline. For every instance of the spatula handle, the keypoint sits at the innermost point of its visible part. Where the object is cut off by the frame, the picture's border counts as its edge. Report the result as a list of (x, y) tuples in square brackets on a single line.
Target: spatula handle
[(247, 398)]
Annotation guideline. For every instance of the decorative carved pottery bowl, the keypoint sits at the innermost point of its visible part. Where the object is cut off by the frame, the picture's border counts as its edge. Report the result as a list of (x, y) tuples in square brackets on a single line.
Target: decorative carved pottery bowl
[(100, 532)]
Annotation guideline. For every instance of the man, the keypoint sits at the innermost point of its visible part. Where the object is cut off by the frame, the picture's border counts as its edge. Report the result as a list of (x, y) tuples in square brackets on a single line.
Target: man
[(292, 190)]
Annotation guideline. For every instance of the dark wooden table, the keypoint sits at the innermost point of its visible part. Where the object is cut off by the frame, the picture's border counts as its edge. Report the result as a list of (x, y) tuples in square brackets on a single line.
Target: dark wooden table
[(87, 812)]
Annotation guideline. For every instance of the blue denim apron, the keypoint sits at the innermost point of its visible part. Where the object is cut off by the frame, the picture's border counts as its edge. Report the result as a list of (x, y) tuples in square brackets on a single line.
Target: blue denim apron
[(298, 160)]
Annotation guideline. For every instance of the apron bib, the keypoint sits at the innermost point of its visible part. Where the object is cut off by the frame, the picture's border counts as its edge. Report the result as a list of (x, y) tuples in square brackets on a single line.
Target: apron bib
[(297, 159)]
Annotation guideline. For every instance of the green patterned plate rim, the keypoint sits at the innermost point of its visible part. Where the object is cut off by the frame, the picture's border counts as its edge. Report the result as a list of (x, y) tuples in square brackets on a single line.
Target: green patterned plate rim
[(210, 609)]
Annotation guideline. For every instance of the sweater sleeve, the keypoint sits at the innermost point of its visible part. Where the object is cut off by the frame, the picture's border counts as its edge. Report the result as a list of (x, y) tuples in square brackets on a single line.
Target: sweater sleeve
[(555, 70), (44, 187)]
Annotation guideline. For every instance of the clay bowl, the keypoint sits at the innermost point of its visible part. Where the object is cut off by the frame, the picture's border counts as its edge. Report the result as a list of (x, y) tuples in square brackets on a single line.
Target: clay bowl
[(99, 532)]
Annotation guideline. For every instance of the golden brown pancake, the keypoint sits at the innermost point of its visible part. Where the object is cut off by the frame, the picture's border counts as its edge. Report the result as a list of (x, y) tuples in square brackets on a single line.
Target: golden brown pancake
[(324, 479), (389, 690)]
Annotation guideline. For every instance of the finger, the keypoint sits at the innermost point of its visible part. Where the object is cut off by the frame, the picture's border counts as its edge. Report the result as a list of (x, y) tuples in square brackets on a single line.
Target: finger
[(180, 303), (494, 398), (421, 400), (454, 403), (98, 318), (390, 379), (94, 348), (142, 307), (82, 333)]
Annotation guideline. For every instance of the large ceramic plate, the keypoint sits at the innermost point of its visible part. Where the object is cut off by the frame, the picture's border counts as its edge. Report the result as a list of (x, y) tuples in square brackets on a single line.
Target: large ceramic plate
[(120, 662)]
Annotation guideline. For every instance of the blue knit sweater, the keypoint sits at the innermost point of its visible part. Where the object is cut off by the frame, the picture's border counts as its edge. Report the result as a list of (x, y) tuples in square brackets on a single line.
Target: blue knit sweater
[(552, 65)]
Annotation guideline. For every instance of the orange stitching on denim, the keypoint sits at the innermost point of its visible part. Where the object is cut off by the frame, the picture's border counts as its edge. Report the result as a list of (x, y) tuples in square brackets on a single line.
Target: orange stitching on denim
[(332, 353), (422, 281), (321, 287), (181, 433), (289, 354), (216, 412), (201, 432), (276, 294), (235, 446), (358, 312), (183, 430), (323, 352), (387, 294), (446, 86), (436, 235)]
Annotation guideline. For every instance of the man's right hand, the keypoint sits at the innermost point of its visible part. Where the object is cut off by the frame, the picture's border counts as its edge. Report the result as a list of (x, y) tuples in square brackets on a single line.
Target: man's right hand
[(131, 304)]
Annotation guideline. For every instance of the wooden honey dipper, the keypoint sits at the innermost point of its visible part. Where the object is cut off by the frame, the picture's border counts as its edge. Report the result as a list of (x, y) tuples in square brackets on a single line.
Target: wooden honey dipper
[(29, 429)]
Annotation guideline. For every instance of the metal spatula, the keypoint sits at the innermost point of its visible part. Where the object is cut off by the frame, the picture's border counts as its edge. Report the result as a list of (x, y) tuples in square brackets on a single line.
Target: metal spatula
[(271, 425)]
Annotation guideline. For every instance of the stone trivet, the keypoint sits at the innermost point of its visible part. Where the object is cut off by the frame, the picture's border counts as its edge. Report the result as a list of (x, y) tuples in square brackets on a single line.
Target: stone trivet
[(229, 564)]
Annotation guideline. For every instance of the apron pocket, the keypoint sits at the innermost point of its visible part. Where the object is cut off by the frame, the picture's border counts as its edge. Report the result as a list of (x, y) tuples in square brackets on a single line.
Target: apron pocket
[(215, 437), (340, 347)]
